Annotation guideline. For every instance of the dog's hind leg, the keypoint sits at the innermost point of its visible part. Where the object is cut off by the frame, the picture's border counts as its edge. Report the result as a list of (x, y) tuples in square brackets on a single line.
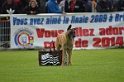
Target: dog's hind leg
[(63, 57)]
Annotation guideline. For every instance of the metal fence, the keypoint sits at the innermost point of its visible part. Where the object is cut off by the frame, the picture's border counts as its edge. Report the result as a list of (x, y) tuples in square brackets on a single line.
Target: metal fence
[(4, 32)]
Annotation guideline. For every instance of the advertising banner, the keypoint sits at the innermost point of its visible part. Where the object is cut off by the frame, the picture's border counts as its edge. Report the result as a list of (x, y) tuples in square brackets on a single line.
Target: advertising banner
[(93, 30)]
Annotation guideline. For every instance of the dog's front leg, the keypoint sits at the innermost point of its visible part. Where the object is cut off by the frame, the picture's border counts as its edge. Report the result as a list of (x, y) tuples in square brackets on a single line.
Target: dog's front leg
[(69, 57)]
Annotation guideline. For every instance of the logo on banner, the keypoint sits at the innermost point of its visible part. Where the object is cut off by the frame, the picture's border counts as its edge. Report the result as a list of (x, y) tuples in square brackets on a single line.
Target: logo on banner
[(24, 38)]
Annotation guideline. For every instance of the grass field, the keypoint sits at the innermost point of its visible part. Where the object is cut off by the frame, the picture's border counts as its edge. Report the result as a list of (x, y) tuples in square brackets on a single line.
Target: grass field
[(88, 66)]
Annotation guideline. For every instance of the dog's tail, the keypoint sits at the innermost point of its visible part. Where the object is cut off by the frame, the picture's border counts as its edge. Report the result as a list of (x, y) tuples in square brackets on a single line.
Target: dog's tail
[(57, 44), (53, 45)]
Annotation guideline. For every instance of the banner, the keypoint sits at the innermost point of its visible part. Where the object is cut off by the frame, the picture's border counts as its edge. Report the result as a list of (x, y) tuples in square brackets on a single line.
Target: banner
[(93, 30)]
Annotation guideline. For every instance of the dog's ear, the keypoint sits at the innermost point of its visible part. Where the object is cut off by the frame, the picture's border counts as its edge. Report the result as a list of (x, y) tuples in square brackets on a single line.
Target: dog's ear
[(69, 27)]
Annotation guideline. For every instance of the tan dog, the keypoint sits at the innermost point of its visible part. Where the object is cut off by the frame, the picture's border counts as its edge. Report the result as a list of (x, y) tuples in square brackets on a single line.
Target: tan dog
[(64, 42)]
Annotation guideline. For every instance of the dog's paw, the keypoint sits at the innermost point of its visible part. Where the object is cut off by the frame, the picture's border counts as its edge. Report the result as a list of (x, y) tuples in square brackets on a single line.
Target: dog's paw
[(69, 64)]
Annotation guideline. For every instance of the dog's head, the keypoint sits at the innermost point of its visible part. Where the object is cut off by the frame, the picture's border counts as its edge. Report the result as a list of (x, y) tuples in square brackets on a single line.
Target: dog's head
[(71, 32)]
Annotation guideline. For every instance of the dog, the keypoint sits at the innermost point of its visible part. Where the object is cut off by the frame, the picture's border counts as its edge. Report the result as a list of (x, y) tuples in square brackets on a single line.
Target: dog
[(64, 42)]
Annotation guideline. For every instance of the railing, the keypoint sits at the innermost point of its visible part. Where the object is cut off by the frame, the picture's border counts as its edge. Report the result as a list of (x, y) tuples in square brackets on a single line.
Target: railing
[(4, 32)]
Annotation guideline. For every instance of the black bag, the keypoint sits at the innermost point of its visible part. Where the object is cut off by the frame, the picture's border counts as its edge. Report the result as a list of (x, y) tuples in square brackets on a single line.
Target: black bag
[(49, 58)]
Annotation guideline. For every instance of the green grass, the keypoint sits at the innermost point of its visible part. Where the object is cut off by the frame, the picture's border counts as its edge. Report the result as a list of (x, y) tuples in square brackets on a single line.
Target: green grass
[(88, 66)]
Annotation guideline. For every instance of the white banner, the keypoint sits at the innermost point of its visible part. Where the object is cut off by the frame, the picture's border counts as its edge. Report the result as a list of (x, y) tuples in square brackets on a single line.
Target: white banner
[(93, 30)]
